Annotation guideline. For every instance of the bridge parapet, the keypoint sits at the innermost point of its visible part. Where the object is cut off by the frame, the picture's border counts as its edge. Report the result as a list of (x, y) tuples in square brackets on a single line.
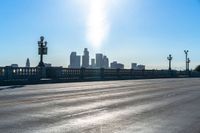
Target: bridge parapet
[(67, 74), (20, 73)]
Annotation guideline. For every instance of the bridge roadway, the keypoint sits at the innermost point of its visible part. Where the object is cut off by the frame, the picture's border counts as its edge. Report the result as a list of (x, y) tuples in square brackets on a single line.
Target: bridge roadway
[(130, 106)]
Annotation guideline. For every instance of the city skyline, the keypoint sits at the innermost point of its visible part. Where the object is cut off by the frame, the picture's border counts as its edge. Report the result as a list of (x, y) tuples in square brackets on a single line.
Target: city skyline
[(100, 61), (135, 31), (85, 61)]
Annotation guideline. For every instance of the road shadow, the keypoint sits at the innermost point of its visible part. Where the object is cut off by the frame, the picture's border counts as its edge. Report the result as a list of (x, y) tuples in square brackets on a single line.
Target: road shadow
[(11, 87)]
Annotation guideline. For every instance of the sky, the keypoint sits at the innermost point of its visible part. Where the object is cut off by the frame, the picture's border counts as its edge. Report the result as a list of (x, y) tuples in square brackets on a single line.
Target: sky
[(127, 31)]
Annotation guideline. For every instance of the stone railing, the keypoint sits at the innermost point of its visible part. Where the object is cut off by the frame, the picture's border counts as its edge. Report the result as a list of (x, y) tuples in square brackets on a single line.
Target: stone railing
[(59, 74), (20, 73)]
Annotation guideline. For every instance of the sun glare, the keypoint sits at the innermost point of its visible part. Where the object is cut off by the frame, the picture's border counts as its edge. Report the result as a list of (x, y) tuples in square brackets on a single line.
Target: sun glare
[(97, 22)]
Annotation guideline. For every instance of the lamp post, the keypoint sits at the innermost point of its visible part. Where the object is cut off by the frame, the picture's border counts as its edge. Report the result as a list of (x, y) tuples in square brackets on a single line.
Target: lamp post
[(170, 61), (186, 59), (42, 50), (188, 63)]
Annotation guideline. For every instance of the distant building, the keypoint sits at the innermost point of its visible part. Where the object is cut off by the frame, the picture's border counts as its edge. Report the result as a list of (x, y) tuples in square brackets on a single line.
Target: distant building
[(75, 61), (93, 64), (85, 58), (99, 60), (14, 65), (102, 61), (47, 65), (120, 66), (27, 62), (141, 67), (105, 62), (115, 65), (134, 66)]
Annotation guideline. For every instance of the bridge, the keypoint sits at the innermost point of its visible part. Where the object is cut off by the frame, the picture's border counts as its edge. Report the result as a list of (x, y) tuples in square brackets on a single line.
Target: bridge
[(123, 106)]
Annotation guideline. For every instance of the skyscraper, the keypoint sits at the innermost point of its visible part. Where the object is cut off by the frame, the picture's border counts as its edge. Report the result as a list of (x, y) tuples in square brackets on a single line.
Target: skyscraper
[(93, 64), (105, 62), (99, 60), (85, 58), (75, 61), (27, 62)]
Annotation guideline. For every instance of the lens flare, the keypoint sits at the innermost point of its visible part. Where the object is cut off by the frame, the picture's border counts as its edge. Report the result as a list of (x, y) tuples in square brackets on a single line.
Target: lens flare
[(98, 13), (97, 22)]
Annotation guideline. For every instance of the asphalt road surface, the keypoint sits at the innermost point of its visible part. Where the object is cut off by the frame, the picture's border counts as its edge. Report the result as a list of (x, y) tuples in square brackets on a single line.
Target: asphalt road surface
[(130, 106)]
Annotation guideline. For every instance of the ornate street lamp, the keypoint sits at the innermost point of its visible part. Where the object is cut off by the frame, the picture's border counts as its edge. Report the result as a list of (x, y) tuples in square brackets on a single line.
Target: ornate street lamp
[(186, 59), (170, 61), (42, 50), (188, 63)]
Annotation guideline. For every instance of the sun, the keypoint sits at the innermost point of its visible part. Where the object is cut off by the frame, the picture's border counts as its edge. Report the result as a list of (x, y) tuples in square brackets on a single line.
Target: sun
[(97, 20), (97, 23)]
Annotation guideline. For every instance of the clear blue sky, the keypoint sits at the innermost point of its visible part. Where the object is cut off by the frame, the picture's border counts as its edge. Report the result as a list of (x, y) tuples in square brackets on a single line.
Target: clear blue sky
[(142, 31)]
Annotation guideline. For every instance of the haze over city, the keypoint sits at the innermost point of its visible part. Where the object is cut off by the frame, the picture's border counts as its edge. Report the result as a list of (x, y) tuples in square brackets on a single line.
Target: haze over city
[(144, 31)]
